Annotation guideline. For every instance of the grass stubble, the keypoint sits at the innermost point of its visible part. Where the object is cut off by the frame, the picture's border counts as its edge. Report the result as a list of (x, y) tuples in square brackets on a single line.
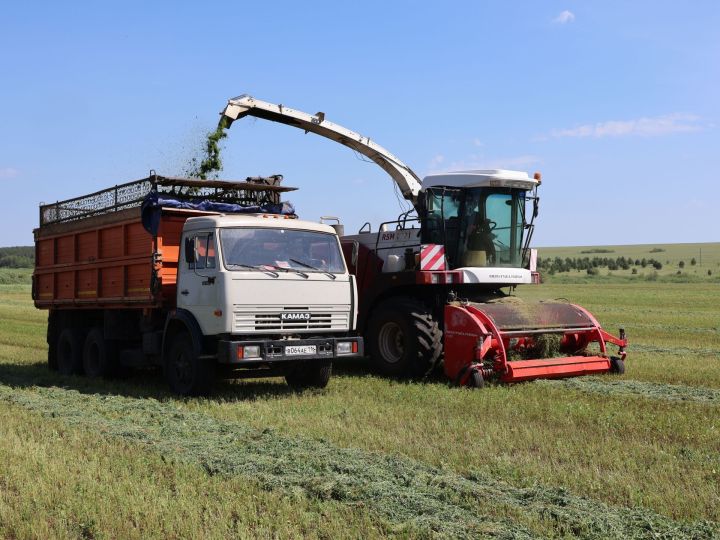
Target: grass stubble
[(406, 493), (387, 459)]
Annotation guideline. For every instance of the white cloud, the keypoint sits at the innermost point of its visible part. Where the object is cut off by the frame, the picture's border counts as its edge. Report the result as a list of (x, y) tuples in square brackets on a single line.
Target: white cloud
[(477, 142), (564, 17), (436, 160), (645, 127), (7, 173)]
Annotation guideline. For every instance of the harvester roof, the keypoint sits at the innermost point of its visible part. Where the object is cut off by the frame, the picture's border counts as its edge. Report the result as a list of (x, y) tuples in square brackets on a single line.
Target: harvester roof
[(481, 178)]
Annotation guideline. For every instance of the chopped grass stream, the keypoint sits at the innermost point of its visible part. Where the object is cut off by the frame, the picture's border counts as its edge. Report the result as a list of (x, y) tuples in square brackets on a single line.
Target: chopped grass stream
[(416, 498)]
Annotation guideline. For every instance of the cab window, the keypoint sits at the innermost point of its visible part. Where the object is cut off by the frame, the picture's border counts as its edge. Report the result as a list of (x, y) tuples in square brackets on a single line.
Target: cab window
[(204, 246)]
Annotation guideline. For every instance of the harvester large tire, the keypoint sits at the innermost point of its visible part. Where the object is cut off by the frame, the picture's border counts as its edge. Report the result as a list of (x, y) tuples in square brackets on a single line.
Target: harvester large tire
[(186, 372), (69, 352), (403, 337)]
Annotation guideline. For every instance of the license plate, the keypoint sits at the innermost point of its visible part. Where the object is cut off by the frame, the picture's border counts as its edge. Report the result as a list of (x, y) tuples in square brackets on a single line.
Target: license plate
[(300, 350)]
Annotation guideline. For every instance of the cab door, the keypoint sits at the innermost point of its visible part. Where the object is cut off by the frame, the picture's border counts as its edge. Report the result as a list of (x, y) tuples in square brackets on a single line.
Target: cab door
[(197, 278)]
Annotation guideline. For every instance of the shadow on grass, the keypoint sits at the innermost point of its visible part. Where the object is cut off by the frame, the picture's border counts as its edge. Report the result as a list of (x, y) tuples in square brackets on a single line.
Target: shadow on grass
[(150, 383)]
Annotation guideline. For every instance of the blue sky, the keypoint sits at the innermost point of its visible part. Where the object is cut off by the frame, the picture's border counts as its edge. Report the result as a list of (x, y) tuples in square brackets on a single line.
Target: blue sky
[(615, 102)]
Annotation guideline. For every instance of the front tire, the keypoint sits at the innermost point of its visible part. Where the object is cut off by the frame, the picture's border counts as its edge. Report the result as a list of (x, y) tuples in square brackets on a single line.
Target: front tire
[(309, 375), (403, 337), (187, 373)]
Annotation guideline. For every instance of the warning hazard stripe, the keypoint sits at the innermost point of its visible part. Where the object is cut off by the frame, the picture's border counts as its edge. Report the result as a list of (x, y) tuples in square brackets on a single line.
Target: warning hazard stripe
[(432, 257)]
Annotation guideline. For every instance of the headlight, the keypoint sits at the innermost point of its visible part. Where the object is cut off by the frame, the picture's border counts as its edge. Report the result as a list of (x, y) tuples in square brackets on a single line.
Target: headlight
[(252, 351), (248, 351), (344, 347)]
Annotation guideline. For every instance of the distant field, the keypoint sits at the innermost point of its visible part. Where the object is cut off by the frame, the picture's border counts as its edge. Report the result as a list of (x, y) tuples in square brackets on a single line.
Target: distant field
[(636, 456), (706, 255), (9, 276)]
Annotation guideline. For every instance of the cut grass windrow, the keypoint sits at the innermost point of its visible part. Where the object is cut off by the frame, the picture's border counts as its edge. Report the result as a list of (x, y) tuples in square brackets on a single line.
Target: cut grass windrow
[(625, 387), (417, 498), (679, 351)]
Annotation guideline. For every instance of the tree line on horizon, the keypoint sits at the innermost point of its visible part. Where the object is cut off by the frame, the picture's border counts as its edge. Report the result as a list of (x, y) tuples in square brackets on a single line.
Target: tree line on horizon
[(17, 257), (591, 265)]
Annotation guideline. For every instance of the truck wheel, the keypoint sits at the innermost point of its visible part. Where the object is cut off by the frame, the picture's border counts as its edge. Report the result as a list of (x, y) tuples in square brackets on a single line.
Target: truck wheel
[(186, 373), (52, 341), (69, 352), (403, 337), (309, 375), (98, 357)]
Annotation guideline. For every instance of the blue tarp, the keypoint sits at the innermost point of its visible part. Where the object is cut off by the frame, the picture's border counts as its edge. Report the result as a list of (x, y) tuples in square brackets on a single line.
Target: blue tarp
[(154, 202)]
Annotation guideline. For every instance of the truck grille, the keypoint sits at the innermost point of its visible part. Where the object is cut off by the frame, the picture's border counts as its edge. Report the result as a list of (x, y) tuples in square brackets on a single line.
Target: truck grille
[(250, 319)]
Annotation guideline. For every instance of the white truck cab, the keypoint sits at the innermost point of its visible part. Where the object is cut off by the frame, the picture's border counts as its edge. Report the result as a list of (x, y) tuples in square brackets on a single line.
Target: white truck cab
[(268, 288)]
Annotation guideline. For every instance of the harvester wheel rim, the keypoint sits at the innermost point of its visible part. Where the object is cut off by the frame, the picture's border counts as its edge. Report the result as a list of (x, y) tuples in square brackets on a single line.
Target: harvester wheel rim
[(391, 341)]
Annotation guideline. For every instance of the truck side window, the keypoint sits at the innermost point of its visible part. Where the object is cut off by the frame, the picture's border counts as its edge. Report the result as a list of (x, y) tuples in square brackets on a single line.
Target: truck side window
[(210, 263), (204, 251)]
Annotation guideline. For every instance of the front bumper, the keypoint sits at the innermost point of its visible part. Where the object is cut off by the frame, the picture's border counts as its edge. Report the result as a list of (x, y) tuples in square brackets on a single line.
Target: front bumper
[(274, 351)]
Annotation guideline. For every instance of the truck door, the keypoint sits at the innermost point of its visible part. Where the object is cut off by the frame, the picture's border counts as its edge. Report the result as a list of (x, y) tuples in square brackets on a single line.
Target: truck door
[(197, 288)]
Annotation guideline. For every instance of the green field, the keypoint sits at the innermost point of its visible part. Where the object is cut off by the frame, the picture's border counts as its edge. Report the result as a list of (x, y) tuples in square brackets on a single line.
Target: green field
[(706, 256), (636, 456)]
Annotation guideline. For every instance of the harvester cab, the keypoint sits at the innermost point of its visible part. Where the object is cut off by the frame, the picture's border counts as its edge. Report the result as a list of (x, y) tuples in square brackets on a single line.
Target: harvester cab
[(482, 221), (430, 283)]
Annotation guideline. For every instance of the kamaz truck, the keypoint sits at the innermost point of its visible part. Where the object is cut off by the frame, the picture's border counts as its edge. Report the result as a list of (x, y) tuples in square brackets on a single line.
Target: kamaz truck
[(201, 278)]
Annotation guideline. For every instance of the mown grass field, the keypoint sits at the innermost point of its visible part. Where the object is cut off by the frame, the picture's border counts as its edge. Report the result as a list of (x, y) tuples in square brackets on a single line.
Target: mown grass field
[(636, 456)]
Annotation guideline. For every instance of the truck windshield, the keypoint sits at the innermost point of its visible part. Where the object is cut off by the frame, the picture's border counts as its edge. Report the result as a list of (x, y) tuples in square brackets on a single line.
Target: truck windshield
[(290, 249), (479, 226)]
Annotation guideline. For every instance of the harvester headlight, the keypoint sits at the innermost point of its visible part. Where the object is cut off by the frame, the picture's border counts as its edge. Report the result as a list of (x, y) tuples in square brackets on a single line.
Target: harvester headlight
[(435, 278)]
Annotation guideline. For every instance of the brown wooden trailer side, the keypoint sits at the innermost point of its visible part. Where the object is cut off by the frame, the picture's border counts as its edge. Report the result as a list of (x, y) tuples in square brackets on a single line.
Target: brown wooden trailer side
[(108, 261)]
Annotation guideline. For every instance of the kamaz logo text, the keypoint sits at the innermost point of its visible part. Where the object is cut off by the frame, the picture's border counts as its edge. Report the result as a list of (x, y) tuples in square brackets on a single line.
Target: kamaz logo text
[(295, 316)]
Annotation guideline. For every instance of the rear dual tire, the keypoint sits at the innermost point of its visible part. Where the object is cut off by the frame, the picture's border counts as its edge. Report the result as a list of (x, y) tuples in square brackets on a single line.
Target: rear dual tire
[(69, 352), (99, 356), (76, 354)]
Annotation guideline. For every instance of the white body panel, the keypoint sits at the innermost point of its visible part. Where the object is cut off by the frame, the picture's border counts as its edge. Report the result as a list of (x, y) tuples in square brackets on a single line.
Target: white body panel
[(489, 178), (251, 301), (391, 246), (507, 276)]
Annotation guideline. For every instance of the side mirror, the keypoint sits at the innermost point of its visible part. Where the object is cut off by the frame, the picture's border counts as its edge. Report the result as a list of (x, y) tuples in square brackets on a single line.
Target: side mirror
[(189, 251), (536, 207)]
